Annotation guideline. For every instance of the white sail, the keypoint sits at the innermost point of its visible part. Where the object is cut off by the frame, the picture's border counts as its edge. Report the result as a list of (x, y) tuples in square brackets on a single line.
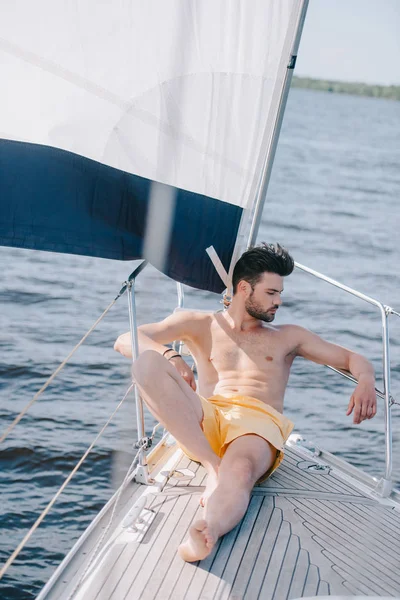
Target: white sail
[(177, 91)]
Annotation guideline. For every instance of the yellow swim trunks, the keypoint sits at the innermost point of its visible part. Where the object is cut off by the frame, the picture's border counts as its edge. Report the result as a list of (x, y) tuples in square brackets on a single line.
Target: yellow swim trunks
[(226, 419)]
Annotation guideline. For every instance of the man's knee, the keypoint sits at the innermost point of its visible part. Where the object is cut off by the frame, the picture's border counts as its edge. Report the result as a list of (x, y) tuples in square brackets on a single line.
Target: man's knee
[(146, 366), (247, 459), (242, 471)]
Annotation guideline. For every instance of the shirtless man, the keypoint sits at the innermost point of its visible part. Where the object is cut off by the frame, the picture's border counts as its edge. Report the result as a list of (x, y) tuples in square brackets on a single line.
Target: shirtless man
[(243, 365)]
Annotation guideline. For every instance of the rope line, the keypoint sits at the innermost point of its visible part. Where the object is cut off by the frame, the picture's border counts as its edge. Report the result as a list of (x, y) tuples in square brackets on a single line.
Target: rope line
[(123, 485), (106, 530), (63, 486), (61, 366)]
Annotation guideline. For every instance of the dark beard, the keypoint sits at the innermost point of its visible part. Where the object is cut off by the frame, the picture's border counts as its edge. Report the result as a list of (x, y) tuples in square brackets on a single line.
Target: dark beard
[(255, 311)]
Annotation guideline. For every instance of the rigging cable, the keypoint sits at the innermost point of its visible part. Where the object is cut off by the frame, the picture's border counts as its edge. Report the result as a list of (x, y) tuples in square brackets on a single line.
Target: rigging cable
[(50, 379), (17, 419), (63, 486), (140, 445)]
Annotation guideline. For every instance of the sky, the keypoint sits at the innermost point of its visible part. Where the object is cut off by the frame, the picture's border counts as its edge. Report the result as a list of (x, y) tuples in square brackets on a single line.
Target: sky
[(351, 40)]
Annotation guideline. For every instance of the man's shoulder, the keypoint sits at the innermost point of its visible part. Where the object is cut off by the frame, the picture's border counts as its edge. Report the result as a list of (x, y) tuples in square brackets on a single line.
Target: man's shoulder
[(293, 333), (300, 336), (192, 320), (292, 337), (288, 328), (186, 314)]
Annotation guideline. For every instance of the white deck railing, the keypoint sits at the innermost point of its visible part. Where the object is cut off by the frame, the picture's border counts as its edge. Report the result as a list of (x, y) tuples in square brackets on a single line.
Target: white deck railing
[(385, 484)]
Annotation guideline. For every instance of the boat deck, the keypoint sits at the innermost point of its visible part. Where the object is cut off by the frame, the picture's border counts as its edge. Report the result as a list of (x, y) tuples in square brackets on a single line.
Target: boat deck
[(309, 531)]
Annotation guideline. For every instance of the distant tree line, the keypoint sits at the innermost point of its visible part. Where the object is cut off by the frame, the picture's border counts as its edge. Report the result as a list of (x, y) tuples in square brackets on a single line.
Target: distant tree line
[(391, 92)]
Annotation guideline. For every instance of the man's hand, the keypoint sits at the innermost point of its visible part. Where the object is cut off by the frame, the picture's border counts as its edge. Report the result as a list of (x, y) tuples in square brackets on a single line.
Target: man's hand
[(184, 370), (363, 400)]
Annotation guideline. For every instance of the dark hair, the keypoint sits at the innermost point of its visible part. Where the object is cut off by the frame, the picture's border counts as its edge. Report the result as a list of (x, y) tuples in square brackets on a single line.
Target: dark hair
[(266, 258)]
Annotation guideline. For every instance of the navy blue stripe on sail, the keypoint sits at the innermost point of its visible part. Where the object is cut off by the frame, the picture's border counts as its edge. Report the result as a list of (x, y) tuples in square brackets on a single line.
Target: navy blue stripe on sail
[(55, 200)]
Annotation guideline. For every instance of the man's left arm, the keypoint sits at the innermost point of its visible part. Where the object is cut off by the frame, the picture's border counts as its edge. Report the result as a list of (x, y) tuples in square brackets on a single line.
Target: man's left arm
[(363, 399)]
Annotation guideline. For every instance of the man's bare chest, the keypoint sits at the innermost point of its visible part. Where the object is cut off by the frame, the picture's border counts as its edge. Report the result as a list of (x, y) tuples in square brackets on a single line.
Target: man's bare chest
[(241, 351)]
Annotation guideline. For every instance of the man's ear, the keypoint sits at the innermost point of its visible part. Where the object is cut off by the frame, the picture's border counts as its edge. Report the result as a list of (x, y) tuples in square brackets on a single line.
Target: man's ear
[(244, 287)]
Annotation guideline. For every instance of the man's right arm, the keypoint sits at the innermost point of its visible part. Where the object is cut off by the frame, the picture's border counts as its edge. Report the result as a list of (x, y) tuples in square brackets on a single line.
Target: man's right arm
[(154, 336)]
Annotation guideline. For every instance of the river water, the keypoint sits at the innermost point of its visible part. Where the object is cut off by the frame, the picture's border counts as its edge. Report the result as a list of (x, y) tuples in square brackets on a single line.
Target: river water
[(333, 201)]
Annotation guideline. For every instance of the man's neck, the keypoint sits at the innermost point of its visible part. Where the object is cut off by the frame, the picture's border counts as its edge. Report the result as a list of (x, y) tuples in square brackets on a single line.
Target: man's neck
[(239, 319)]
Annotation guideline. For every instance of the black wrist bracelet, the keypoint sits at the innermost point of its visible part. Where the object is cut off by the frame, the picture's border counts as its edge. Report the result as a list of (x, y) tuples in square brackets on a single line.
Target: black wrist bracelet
[(174, 356), (168, 350)]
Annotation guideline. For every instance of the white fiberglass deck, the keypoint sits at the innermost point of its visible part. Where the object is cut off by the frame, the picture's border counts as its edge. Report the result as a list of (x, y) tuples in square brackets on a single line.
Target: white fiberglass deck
[(308, 531)]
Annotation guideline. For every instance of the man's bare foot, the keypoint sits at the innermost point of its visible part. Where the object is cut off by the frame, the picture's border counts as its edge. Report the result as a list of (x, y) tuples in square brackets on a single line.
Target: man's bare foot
[(200, 542), (211, 484)]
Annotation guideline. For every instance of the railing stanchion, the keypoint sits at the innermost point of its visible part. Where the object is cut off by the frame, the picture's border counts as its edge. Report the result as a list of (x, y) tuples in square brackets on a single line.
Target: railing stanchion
[(385, 485), (178, 345), (142, 473)]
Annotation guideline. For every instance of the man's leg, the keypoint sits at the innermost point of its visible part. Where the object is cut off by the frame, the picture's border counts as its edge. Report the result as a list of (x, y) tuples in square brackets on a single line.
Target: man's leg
[(174, 404), (246, 459)]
